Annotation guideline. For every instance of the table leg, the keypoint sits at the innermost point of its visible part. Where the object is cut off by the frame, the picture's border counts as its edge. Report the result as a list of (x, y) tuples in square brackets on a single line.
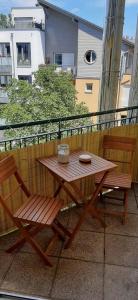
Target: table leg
[(77, 227), (65, 188), (58, 190), (89, 209)]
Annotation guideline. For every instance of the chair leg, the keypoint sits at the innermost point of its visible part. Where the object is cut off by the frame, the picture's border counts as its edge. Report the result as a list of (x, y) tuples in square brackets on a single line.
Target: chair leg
[(21, 241), (125, 206), (67, 232), (94, 212), (33, 243), (101, 198), (58, 232)]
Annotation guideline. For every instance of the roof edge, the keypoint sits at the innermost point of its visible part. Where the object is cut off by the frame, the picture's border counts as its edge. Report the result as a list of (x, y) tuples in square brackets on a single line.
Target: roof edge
[(67, 13), (44, 3)]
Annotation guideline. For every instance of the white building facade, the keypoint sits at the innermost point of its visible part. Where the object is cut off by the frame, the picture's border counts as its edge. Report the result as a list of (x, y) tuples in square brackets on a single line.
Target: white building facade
[(22, 47)]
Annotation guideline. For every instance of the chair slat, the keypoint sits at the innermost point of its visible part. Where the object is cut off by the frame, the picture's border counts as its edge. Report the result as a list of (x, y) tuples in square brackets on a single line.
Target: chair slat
[(45, 210), (54, 213), (49, 213)]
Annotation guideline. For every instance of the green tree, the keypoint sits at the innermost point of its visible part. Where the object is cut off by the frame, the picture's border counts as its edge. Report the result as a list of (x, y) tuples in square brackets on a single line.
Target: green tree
[(5, 21), (51, 95)]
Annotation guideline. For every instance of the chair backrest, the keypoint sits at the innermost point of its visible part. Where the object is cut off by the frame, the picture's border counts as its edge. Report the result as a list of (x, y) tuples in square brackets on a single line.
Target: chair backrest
[(119, 143), (7, 169)]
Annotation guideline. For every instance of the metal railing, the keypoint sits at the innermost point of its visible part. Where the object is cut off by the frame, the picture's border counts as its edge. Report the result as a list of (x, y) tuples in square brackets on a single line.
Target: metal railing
[(24, 134), (23, 62)]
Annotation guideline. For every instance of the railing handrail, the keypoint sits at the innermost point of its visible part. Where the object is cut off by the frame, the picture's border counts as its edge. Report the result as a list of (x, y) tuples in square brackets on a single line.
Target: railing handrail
[(55, 120)]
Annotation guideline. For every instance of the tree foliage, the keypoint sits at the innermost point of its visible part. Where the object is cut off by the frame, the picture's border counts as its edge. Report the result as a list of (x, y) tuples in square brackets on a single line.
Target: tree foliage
[(51, 95), (5, 21)]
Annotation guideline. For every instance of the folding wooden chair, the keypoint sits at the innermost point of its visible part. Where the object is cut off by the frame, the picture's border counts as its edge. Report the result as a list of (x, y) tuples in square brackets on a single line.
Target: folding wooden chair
[(37, 212), (116, 181)]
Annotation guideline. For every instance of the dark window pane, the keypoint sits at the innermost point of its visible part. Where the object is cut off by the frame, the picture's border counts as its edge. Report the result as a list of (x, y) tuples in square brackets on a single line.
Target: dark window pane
[(4, 49), (25, 77), (58, 59)]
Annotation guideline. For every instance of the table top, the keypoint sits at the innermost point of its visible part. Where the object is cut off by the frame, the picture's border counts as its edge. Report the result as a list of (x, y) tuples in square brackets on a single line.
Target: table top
[(75, 169)]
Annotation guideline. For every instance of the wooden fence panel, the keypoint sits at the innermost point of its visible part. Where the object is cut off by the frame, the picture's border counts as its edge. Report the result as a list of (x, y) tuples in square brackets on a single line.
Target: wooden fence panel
[(38, 179)]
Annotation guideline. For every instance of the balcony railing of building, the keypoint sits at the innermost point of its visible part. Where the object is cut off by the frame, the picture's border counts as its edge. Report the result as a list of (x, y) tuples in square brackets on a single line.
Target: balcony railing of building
[(5, 65), (28, 25), (23, 62), (16, 135)]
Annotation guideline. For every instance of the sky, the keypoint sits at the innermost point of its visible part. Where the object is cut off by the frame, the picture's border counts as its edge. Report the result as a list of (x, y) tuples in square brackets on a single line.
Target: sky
[(92, 10)]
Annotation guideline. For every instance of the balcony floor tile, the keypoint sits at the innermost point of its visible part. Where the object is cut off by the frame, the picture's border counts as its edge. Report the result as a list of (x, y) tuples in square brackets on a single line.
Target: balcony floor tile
[(89, 223), (88, 246), (115, 226), (121, 250), (121, 283), (78, 280), (5, 263), (29, 275)]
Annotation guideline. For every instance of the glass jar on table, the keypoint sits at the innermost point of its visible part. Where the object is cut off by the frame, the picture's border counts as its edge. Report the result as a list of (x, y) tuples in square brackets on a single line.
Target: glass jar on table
[(63, 153)]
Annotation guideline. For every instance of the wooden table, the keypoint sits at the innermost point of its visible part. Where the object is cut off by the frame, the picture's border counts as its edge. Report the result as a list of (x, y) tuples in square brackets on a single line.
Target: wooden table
[(67, 174)]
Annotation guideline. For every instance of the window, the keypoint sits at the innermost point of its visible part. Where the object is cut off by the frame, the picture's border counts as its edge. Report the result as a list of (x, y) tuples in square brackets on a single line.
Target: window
[(58, 59), (5, 50), (64, 60), (5, 79), (88, 88), (23, 54), (90, 57), (25, 77), (23, 22)]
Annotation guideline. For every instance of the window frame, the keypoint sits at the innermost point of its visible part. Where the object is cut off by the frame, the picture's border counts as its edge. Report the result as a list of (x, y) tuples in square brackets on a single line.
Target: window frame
[(88, 91), (7, 80), (85, 59), (5, 46), (23, 54), (59, 65), (26, 78)]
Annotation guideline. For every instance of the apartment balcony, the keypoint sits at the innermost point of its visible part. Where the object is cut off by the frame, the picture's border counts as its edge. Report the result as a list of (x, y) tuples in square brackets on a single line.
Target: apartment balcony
[(5, 66), (29, 25), (67, 69), (101, 263), (23, 63)]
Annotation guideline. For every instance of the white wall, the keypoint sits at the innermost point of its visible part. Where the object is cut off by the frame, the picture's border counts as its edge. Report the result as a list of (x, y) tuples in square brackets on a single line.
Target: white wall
[(36, 12), (37, 40), (124, 95)]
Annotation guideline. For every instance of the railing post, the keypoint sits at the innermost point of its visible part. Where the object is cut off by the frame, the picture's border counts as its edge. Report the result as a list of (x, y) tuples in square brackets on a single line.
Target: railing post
[(59, 131)]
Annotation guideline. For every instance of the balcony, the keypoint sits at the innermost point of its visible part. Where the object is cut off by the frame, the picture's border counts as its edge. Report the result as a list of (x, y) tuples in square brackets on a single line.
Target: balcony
[(28, 25), (5, 65), (67, 69), (101, 264), (24, 63)]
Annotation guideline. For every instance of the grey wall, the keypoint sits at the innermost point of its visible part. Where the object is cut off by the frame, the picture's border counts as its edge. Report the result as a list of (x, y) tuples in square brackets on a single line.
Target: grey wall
[(89, 39), (61, 34)]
